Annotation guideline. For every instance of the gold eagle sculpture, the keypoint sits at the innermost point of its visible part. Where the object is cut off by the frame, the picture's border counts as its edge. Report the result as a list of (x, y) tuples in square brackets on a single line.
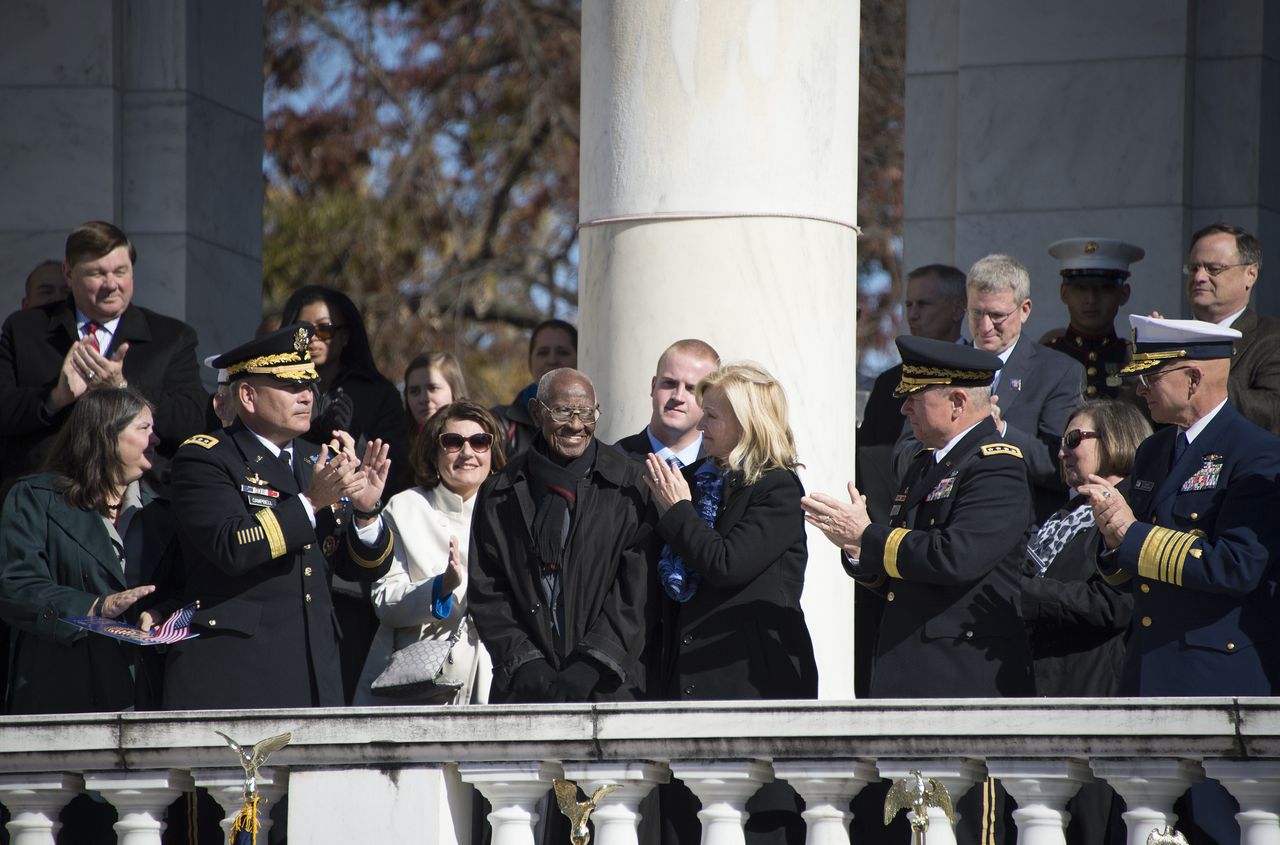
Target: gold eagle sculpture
[(579, 811), (917, 793), (255, 758), (1166, 836)]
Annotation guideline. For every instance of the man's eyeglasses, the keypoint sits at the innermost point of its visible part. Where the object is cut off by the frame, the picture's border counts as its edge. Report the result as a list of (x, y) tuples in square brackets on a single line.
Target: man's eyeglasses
[(1213, 271), (997, 319), (1147, 380), (452, 442), (326, 331), (563, 415), (1076, 436)]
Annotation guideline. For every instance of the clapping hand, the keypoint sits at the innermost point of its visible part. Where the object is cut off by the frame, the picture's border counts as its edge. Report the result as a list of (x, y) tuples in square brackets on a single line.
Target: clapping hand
[(841, 522), (1111, 512)]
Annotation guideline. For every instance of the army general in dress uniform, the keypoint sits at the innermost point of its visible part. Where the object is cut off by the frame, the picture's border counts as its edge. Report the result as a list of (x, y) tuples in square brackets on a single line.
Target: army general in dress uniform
[(947, 563), (263, 532), (1196, 539)]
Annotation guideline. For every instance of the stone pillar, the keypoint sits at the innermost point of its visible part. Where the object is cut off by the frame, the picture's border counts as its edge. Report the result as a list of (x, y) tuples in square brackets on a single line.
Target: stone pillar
[(361, 805), (724, 787), (617, 818), (827, 787), (34, 802), (1160, 120), (148, 115), (1149, 787), (718, 197), (513, 789), (1255, 784), (1042, 789), (227, 788), (141, 800), (956, 775)]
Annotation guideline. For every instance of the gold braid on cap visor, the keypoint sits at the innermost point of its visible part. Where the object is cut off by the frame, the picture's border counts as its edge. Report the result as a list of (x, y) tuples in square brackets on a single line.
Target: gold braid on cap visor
[(917, 378), (1143, 361), (283, 365)]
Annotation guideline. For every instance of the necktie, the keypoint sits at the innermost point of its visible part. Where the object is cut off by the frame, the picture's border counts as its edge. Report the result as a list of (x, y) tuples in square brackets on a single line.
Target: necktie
[(675, 463), (286, 458), (91, 334), (1179, 447)]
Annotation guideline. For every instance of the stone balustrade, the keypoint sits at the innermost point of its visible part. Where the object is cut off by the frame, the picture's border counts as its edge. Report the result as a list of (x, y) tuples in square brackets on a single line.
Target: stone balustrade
[(401, 774)]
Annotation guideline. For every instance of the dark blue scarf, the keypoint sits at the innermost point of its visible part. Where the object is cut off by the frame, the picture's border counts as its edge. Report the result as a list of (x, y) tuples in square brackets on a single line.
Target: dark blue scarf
[(679, 583)]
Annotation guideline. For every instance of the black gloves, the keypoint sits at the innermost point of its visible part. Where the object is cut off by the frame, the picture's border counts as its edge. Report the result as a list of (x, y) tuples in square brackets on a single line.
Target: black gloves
[(531, 682), (577, 680)]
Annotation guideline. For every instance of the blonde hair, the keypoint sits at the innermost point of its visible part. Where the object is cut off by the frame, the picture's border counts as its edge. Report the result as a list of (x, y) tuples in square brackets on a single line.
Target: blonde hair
[(760, 406)]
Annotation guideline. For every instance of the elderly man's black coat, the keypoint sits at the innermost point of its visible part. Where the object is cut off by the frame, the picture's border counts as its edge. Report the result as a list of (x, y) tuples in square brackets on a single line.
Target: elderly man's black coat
[(262, 574), (605, 579)]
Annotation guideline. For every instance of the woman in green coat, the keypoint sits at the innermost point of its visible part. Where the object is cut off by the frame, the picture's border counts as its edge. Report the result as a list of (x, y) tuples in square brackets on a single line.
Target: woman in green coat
[(78, 540)]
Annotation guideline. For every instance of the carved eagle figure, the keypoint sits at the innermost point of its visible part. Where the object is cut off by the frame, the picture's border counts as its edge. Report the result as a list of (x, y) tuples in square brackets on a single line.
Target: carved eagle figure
[(579, 811), (1166, 836), (917, 793), (256, 757)]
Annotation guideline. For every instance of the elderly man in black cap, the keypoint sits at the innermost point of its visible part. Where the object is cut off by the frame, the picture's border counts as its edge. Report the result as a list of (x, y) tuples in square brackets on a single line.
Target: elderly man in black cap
[(266, 519), (1095, 283)]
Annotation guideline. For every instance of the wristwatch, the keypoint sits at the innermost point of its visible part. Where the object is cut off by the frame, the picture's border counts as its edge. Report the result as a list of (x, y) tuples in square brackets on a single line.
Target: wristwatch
[(377, 509)]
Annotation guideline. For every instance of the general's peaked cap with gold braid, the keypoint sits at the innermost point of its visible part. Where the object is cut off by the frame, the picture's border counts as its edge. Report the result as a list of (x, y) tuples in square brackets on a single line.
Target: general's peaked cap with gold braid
[(283, 355), (937, 363), (1157, 341)]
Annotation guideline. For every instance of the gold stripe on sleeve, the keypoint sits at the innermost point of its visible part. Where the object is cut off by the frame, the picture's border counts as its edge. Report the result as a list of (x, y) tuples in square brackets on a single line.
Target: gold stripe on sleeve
[(891, 551), (370, 563), (275, 535), (1163, 555)]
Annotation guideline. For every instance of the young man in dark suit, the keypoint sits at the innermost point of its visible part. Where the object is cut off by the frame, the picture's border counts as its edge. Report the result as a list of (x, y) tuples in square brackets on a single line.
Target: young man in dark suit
[(672, 432)]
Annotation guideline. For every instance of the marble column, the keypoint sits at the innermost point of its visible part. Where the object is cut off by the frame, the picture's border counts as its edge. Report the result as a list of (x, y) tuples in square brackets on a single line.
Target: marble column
[(227, 788), (141, 800), (1149, 787), (34, 802), (617, 818), (718, 200), (1255, 784), (723, 787), (1042, 789), (148, 115), (827, 787), (513, 789), (956, 775)]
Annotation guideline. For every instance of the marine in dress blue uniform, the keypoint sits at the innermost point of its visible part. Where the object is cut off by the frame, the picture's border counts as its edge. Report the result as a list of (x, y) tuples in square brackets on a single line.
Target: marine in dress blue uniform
[(259, 568)]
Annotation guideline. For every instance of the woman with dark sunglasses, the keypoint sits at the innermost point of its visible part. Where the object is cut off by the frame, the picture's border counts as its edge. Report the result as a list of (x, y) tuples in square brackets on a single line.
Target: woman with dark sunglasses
[(1076, 620), (424, 596)]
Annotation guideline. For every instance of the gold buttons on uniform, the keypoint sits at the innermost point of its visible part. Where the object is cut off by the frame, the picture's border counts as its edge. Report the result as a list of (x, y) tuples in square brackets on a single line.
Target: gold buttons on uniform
[(1146, 588), (1195, 515), (931, 521), (968, 635), (1231, 646), (1093, 356), (213, 623), (307, 546), (308, 598), (306, 571), (1091, 390), (890, 597), (1093, 371), (1146, 621)]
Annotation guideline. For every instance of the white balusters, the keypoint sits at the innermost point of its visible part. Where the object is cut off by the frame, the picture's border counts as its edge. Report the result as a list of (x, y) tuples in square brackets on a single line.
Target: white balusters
[(1042, 789), (723, 787), (1149, 787), (617, 818), (1256, 785), (827, 787), (513, 789), (226, 786), (141, 799), (34, 801)]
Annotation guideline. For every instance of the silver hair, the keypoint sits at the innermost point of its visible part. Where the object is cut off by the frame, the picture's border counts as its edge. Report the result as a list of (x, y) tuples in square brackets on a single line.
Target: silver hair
[(544, 383), (979, 395), (1000, 272)]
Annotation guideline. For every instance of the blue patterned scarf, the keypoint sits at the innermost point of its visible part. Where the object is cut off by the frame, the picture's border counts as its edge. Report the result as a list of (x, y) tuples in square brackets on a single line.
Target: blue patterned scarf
[(678, 582)]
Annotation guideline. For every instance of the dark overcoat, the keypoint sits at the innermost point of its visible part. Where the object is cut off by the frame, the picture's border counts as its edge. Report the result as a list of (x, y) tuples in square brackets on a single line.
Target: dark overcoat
[(161, 363), (57, 560), (605, 578), (1254, 383), (1201, 562), (1077, 620), (743, 634), (948, 565), (262, 575)]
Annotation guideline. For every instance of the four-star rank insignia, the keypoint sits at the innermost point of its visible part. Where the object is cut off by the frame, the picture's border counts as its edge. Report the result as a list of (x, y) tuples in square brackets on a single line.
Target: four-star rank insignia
[(1206, 478), (945, 488)]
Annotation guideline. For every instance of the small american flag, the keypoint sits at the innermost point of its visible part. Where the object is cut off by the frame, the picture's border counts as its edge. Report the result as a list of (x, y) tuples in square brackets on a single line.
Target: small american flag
[(175, 627)]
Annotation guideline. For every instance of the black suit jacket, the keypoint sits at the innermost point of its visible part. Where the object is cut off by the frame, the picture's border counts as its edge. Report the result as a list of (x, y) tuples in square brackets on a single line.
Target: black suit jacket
[(161, 363), (262, 575), (637, 446), (1254, 383)]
